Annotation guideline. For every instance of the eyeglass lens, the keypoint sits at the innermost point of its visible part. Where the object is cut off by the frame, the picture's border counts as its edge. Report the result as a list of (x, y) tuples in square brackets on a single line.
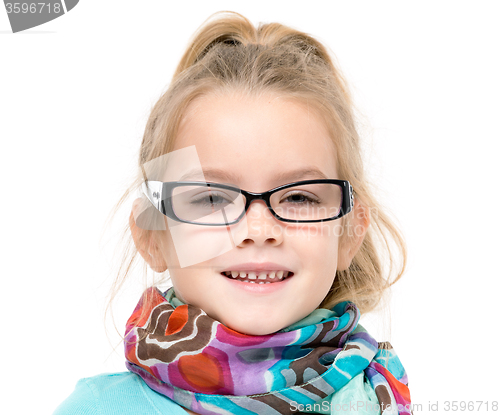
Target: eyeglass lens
[(208, 204)]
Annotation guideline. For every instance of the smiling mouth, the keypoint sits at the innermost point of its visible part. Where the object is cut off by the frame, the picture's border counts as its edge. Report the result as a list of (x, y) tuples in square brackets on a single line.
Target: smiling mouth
[(261, 277)]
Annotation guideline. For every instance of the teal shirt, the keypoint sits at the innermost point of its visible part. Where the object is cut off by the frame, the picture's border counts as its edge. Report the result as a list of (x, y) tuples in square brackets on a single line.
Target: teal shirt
[(125, 393)]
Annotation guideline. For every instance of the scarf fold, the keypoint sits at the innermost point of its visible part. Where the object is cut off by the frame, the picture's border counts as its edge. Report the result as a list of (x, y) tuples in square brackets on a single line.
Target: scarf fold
[(182, 353)]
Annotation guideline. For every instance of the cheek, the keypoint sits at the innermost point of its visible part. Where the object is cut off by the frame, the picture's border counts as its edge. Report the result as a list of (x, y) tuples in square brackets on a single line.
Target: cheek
[(318, 248), (178, 277), (191, 245), (190, 286), (321, 239), (167, 248), (326, 251)]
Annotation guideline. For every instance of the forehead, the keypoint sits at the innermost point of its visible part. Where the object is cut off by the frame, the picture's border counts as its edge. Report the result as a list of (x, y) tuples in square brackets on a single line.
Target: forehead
[(257, 140)]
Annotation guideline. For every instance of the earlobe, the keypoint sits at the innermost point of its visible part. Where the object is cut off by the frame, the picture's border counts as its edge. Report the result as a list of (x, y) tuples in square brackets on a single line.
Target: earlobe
[(355, 234), (147, 245)]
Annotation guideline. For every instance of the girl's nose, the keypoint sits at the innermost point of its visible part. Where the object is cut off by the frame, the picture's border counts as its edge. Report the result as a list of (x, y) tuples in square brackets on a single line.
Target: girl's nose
[(262, 225)]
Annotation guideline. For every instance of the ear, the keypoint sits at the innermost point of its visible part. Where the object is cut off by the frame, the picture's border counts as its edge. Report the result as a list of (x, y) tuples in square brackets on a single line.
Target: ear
[(146, 243), (354, 234)]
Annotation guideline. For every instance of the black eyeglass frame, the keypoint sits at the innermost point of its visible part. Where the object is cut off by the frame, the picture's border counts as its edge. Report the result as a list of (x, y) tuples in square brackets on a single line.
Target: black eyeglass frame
[(158, 192)]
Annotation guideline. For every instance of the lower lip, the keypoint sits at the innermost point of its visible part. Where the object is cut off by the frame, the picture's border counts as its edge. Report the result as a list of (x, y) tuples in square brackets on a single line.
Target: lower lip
[(256, 288)]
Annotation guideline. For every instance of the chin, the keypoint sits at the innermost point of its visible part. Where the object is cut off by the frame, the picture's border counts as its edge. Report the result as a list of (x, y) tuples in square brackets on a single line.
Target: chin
[(256, 330), (254, 327)]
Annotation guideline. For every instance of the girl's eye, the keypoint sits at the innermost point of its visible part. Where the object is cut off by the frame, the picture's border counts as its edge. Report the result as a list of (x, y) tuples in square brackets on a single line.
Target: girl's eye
[(210, 199), (300, 198)]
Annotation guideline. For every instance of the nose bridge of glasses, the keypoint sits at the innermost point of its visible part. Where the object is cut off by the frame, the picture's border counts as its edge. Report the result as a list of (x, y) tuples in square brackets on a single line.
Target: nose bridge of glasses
[(261, 199)]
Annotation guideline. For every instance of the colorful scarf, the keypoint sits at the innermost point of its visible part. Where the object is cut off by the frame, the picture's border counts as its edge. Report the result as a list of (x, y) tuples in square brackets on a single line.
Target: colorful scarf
[(182, 353)]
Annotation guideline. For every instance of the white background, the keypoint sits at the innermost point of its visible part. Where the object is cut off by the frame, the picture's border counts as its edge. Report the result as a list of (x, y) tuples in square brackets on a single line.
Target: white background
[(75, 94)]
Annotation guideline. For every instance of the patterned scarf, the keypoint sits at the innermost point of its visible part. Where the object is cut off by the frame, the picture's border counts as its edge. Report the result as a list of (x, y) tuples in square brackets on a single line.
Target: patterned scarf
[(182, 353)]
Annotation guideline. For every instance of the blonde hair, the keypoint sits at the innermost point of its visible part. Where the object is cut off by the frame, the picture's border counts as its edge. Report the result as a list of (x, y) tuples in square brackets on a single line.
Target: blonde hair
[(228, 53)]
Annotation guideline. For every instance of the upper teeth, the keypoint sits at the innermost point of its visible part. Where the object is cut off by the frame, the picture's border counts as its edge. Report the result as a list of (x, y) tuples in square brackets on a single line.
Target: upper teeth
[(258, 276)]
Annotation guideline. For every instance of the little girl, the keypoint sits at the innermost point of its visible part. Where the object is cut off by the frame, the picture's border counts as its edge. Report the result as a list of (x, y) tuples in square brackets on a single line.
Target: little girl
[(255, 200)]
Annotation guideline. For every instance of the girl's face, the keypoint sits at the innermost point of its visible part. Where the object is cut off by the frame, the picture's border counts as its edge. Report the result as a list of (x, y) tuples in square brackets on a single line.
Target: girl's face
[(256, 140)]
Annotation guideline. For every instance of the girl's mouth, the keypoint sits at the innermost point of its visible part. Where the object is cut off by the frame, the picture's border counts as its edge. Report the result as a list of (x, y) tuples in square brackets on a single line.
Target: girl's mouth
[(260, 277)]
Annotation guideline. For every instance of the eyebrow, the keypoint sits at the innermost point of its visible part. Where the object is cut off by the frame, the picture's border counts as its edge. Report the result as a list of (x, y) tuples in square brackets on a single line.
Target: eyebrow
[(288, 176)]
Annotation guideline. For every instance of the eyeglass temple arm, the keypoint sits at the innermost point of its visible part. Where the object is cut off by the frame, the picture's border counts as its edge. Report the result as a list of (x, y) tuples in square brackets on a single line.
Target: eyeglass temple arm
[(153, 191), (351, 197)]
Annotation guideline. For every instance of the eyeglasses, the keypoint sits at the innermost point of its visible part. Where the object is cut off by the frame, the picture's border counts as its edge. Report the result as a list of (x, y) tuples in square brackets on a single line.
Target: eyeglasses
[(215, 204)]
